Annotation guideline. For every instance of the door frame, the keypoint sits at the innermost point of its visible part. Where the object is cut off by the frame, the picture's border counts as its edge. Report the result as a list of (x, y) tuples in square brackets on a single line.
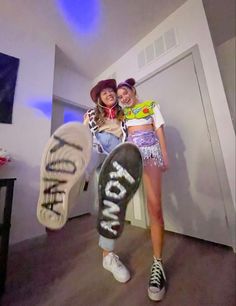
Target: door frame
[(57, 99), (66, 101), (230, 212), (77, 210)]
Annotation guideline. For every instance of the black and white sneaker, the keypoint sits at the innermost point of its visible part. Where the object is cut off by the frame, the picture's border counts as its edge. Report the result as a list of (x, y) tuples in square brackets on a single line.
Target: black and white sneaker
[(119, 179), (156, 289), (65, 158)]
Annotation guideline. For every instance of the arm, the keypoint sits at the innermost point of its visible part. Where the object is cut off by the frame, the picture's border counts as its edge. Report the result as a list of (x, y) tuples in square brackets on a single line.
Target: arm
[(159, 128), (86, 119), (161, 136)]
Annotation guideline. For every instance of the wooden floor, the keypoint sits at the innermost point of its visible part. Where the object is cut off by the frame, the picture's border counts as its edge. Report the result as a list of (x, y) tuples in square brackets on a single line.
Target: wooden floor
[(64, 268)]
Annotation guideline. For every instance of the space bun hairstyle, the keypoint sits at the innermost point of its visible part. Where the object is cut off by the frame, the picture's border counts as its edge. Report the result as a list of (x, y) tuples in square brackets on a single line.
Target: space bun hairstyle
[(127, 83)]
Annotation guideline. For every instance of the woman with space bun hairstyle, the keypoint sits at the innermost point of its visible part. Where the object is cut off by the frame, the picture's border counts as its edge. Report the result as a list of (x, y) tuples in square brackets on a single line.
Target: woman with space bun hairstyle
[(146, 129)]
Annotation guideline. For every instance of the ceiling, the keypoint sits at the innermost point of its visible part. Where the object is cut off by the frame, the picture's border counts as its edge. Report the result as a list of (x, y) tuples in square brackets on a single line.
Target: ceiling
[(92, 34), (122, 23), (119, 25), (221, 19)]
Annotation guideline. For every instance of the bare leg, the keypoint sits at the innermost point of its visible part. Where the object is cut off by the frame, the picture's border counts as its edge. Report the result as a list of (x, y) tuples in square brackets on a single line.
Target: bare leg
[(152, 184)]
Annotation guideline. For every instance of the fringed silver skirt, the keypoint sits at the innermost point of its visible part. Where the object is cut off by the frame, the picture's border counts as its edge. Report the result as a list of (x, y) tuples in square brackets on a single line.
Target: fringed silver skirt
[(149, 146)]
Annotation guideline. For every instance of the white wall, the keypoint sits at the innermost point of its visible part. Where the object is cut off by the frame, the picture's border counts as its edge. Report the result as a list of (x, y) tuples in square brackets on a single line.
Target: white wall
[(71, 85), (226, 59), (26, 136), (191, 26)]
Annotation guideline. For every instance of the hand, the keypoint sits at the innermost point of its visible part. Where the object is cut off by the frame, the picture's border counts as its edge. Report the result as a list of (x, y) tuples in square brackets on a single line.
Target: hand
[(165, 166)]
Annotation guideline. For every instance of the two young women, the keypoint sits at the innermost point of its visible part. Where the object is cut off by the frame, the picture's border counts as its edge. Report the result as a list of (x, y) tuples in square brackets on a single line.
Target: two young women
[(67, 156), (141, 123)]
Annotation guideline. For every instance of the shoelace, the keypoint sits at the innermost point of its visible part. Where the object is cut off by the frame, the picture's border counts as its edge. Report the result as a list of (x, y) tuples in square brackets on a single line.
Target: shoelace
[(115, 259), (157, 273)]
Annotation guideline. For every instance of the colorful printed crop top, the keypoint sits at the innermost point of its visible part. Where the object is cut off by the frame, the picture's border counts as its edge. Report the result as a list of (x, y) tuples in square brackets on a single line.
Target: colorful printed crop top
[(147, 112)]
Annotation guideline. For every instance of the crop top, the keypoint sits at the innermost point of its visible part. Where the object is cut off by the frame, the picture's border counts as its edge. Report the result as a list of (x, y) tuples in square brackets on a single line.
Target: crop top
[(147, 112)]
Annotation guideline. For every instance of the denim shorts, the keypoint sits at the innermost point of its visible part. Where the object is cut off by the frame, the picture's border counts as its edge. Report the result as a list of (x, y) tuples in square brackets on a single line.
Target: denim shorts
[(108, 141)]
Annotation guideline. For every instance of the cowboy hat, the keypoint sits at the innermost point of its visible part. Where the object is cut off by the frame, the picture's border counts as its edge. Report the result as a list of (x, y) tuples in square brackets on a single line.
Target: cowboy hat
[(95, 91)]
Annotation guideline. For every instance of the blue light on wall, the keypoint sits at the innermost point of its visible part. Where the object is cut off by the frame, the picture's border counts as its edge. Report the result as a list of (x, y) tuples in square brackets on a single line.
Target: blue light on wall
[(45, 107), (82, 15), (70, 115)]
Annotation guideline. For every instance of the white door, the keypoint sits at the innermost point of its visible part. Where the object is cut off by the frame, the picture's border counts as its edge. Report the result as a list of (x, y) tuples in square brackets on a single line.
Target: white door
[(192, 197), (83, 201)]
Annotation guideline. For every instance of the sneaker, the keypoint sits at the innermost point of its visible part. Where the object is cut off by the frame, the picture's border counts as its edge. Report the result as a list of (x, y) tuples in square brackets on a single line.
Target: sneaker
[(119, 179), (156, 290), (63, 164), (112, 263)]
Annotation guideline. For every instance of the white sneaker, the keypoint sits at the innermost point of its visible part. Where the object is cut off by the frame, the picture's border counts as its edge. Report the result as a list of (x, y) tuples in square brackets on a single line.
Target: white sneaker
[(65, 158), (112, 263)]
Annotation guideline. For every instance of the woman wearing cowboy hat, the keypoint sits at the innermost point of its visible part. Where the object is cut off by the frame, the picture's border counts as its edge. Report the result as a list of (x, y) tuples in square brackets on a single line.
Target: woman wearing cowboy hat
[(106, 119), (106, 124), (68, 155)]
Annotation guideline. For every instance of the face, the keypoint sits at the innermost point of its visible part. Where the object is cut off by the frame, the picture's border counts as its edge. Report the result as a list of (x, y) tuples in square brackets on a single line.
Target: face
[(108, 97), (126, 96)]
